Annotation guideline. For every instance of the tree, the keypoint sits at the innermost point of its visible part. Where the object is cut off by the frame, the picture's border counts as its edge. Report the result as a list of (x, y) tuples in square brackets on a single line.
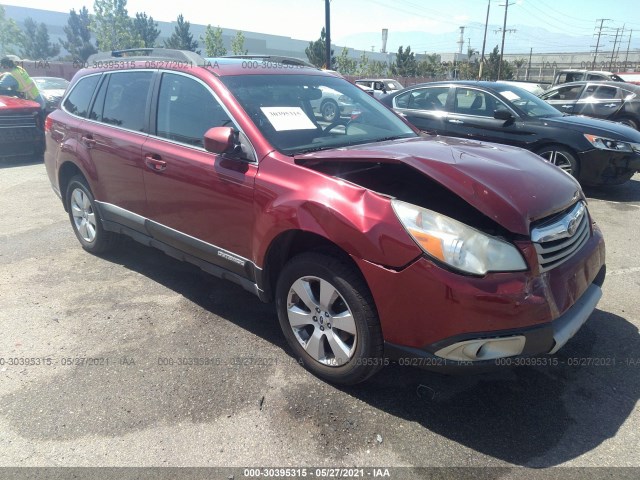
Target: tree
[(35, 41), (491, 70), (316, 52), (405, 64), (78, 42), (346, 65), (146, 29), (372, 68), (10, 34), (112, 26), (213, 43), (181, 38), (237, 44)]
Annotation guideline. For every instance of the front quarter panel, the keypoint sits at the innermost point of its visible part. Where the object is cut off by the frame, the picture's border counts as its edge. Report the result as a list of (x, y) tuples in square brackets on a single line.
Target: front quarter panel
[(359, 221)]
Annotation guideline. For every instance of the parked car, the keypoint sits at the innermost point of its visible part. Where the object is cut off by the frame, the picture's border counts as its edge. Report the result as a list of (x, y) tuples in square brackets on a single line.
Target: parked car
[(332, 104), (380, 86), (532, 87), (21, 127), (615, 101), (374, 241), (594, 151), (630, 77), (572, 75), (52, 89)]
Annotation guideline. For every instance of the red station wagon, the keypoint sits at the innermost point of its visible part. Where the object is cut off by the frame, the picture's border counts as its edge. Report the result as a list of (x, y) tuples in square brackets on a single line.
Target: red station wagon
[(375, 242)]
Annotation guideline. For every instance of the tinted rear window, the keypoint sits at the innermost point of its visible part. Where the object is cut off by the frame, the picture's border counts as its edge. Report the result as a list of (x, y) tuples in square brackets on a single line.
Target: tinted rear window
[(78, 100)]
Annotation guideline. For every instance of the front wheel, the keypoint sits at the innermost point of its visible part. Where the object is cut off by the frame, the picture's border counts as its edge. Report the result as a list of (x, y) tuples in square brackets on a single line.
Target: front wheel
[(85, 218), (328, 317), (561, 157)]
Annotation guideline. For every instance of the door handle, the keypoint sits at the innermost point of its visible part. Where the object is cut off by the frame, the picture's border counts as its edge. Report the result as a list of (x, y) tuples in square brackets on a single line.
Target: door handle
[(610, 105), (88, 141), (566, 106), (155, 163), (458, 122)]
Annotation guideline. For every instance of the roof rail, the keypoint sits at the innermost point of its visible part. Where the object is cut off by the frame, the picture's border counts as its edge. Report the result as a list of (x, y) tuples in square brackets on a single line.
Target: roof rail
[(149, 54), (275, 59)]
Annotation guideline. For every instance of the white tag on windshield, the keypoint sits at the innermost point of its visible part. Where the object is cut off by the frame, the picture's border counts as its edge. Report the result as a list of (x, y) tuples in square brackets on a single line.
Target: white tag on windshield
[(288, 118)]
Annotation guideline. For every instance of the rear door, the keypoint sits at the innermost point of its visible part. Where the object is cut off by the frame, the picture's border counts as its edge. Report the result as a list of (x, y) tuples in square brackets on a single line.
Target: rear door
[(112, 137), (600, 101), (425, 108)]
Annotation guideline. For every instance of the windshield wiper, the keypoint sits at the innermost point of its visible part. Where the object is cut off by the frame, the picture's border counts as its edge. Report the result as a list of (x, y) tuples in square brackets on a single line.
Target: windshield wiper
[(314, 149)]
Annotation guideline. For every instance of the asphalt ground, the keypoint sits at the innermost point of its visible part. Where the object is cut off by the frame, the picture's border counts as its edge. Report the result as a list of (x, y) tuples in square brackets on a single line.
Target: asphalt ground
[(134, 359)]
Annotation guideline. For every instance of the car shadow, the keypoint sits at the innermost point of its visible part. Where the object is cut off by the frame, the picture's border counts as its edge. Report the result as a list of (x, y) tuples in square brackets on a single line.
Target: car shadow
[(534, 416), (626, 193), (10, 162)]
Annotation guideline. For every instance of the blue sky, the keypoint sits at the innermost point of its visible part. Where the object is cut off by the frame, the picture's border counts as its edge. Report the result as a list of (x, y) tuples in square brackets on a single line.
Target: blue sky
[(303, 19)]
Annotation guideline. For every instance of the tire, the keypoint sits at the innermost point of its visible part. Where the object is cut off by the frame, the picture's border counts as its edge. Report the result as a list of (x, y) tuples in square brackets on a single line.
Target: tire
[(561, 157), (628, 121), (85, 218), (329, 110), (315, 290)]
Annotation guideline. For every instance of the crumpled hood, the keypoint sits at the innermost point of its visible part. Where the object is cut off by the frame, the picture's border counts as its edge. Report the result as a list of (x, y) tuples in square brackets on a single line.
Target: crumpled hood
[(15, 103), (512, 186)]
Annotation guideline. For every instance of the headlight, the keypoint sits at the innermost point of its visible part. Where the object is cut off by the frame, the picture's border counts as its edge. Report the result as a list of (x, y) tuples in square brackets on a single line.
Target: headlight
[(457, 244), (603, 143)]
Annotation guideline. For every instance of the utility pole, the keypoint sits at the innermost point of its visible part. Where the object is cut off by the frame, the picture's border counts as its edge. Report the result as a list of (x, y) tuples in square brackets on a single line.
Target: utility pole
[(613, 50), (504, 31), (595, 55), (529, 66), (619, 43), (626, 57), (327, 38), (484, 41)]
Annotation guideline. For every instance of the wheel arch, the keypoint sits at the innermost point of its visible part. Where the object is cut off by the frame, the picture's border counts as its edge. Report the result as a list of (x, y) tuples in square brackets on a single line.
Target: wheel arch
[(67, 171), (290, 243)]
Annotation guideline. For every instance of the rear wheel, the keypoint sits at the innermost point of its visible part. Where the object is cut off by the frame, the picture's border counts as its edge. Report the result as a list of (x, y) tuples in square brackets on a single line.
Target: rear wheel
[(85, 218), (328, 317), (561, 157)]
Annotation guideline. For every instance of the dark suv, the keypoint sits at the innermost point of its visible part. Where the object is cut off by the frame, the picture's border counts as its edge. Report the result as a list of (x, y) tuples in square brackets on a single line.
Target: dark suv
[(374, 241)]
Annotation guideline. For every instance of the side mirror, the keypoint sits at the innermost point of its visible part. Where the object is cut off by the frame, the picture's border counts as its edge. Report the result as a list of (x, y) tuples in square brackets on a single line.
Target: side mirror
[(502, 114), (222, 140)]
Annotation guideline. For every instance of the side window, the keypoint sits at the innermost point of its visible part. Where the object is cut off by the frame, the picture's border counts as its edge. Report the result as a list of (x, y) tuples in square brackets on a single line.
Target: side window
[(596, 76), (425, 98), (565, 93), (473, 102), (606, 93), (187, 109), (78, 100), (125, 100)]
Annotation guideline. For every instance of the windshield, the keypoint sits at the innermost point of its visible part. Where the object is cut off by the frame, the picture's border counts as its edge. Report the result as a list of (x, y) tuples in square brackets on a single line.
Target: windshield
[(304, 113), (51, 83), (526, 102), (393, 85)]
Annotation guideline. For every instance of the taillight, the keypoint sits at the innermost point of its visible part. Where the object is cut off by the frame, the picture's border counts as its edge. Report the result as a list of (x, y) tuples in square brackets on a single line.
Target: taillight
[(47, 124)]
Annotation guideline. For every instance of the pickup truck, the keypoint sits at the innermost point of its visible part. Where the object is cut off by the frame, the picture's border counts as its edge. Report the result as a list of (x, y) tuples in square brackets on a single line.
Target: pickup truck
[(565, 76)]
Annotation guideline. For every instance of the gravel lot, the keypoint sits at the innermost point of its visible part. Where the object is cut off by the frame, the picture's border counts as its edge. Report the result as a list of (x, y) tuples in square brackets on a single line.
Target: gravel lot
[(137, 313)]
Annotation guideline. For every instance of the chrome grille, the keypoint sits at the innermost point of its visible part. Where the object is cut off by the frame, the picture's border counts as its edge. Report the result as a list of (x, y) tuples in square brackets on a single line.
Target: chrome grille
[(17, 121), (556, 240)]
